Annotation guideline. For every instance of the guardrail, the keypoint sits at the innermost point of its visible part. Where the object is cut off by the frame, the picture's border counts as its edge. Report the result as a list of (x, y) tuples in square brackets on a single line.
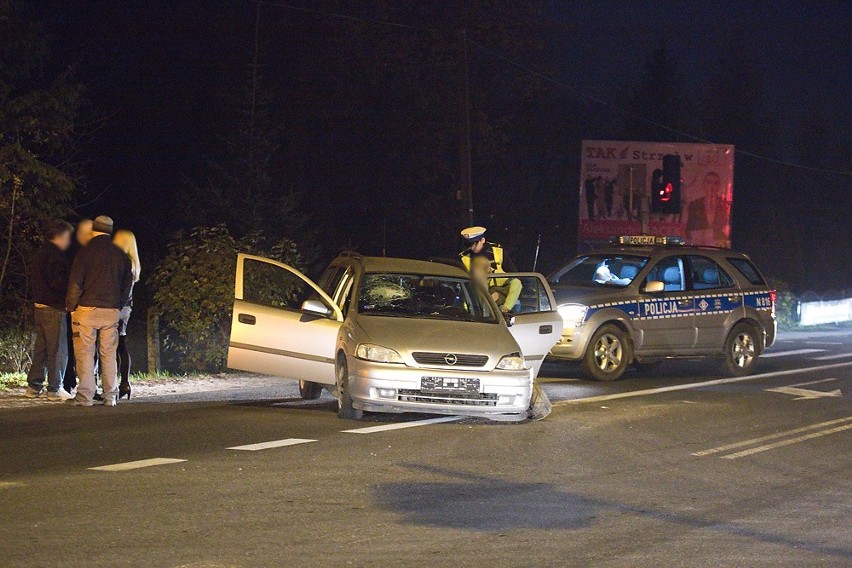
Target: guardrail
[(824, 311)]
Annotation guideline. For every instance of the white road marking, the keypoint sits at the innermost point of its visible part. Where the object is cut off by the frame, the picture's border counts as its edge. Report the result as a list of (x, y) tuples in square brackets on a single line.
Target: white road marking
[(10, 484), (136, 464), (823, 343), (807, 394), (793, 352), (831, 357), (787, 442), (272, 444), (689, 386), (401, 425), (753, 441)]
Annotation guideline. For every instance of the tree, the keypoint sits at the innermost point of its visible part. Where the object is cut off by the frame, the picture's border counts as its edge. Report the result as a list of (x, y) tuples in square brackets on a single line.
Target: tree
[(38, 109)]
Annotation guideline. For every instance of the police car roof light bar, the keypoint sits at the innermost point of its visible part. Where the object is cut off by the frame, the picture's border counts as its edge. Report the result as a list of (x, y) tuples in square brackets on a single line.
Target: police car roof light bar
[(646, 240)]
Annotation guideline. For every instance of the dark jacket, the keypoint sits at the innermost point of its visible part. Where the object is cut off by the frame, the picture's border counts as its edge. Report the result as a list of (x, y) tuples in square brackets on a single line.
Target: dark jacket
[(101, 276), (49, 276)]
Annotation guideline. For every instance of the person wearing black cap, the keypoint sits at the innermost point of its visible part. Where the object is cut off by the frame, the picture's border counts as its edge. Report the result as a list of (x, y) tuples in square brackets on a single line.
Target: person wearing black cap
[(99, 287)]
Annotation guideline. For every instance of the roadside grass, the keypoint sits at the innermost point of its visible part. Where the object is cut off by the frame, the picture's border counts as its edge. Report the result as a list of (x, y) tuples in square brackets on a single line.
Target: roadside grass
[(12, 381)]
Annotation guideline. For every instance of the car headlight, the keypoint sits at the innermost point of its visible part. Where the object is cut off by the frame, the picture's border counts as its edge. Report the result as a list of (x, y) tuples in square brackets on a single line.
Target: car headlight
[(573, 315), (377, 353), (512, 362)]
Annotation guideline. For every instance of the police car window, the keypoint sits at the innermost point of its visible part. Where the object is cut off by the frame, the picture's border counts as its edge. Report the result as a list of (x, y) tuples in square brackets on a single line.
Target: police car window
[(270, 285), (707, 275), (600, 270), (670, 272), (748, 270), (423, 296)]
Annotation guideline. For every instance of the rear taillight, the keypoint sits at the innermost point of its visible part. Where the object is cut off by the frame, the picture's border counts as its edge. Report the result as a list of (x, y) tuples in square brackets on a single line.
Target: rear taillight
[(773, 295)]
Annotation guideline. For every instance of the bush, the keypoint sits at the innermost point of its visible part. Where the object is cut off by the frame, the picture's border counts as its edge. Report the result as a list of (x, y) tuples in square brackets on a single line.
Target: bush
[(194, 293), (16, 336), (785, 304)]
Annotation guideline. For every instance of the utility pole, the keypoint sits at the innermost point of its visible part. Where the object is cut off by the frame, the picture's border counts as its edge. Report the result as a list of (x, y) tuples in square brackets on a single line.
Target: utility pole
[(465, 187)]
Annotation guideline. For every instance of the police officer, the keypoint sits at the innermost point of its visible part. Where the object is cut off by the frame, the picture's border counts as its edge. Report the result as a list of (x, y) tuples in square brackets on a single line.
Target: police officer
[(478, 246), (505, 291)]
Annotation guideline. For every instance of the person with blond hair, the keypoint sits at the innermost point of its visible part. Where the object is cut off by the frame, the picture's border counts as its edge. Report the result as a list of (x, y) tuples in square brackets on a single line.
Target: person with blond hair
[(126, 241)]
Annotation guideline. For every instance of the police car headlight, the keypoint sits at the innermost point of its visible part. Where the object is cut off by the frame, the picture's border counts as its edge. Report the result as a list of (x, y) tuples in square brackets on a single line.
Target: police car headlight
[(377, 354), (513, 362), (572, 314)]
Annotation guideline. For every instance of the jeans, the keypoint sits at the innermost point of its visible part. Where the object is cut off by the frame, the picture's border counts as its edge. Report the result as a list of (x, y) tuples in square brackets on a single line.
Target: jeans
[(51, 349), (95, 329)]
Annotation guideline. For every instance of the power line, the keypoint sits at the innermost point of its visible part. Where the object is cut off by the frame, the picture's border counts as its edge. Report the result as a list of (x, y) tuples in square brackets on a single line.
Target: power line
[(556, 82)]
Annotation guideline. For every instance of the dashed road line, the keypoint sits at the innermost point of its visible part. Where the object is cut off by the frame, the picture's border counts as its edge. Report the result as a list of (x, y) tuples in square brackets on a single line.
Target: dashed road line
[(10, 484), (402, 425), (793, 352), (735, 445), (272, 444), (787, 442), (126, 466), (689, 386), (832, 357)]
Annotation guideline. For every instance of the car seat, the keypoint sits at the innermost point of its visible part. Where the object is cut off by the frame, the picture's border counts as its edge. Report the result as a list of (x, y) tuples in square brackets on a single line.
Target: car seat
[(671, 278)]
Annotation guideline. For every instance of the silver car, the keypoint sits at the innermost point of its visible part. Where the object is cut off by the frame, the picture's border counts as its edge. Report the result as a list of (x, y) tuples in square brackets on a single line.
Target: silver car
[(393, 335)]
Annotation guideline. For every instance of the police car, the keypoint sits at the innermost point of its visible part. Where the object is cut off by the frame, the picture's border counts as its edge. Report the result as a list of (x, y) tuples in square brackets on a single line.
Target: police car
[(644, 298)]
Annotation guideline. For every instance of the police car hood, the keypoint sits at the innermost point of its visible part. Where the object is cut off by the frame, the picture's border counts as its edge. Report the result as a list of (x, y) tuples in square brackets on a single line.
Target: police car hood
[(410, 335), (586, 295)]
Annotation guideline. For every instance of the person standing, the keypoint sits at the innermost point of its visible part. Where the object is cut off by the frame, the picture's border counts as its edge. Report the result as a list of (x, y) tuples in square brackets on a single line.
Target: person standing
[(126, 241), (49, 280), (83, 236), (99, 287)]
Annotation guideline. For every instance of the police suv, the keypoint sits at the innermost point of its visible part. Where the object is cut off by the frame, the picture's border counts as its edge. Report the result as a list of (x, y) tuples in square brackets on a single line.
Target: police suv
[(645, 298)]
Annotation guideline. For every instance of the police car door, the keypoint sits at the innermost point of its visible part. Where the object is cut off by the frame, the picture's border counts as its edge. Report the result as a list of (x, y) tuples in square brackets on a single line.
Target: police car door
[(717, 299), (537, 325), (271, 333), (666, 319)]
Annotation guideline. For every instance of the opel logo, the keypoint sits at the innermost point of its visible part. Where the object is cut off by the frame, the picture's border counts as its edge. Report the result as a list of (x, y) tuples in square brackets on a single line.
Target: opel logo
[(451, 359)]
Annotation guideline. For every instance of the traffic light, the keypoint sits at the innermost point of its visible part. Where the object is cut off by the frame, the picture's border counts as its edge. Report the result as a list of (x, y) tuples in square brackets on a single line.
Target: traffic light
[(665, 186)]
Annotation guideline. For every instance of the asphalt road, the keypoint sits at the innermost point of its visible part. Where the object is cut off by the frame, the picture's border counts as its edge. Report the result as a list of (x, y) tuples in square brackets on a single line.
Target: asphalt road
[(677, 467)]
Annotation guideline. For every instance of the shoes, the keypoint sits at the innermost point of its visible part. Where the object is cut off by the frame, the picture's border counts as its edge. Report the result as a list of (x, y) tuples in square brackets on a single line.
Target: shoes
[(33, 393), (109, 401), (78, 401), (59, 396), (124, 389), (98, 397)]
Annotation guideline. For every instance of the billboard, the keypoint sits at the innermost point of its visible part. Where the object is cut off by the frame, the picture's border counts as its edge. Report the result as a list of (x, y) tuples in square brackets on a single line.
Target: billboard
[(614, 191)]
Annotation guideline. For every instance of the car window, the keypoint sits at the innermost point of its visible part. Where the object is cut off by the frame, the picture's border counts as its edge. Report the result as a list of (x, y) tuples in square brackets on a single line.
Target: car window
[(344, 297), (670, 272), (270, 285), (530, 291), (423, 296), (600, 270), (329, 279), (707, 275), (748, 270)]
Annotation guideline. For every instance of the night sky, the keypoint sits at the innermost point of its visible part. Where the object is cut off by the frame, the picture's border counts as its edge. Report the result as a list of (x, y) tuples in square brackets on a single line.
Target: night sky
[(367, 115)]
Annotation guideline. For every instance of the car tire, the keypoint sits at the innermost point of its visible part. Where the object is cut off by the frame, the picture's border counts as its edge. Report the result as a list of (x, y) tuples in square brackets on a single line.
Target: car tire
[(608, 354), (741, 351), (345, 410), (310, 390)]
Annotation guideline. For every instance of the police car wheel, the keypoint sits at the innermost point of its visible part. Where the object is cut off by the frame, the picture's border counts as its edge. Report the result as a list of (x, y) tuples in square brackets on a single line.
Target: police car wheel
[(740, 350), (309, 390), (608, 354), (345, 410)]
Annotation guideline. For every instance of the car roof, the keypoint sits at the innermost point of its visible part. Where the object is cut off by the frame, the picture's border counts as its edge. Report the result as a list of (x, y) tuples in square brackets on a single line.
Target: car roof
[(656, 250), (407, 266)]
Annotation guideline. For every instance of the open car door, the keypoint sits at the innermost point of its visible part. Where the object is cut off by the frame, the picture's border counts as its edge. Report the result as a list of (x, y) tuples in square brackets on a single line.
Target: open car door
[(537, 325), (283, 323)]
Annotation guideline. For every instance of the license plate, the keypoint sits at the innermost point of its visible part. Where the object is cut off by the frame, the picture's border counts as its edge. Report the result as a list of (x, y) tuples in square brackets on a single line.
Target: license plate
[(449, 384)]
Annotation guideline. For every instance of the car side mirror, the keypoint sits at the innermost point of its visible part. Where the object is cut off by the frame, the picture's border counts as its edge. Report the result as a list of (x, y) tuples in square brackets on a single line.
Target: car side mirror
[(655, 287), (316, 307)]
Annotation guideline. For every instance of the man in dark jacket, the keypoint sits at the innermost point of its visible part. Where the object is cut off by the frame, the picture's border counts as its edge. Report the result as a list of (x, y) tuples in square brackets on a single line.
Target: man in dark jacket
[(49, 280), (99, 286)]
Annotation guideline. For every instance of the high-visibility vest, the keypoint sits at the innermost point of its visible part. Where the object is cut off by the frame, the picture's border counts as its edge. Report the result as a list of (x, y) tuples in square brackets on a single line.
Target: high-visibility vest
[(496, 259)]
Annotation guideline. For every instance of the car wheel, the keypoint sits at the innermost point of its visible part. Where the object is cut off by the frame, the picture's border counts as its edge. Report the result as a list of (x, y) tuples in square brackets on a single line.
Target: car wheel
[(345, 409), (741, 351), (309, 390), (608, 354)]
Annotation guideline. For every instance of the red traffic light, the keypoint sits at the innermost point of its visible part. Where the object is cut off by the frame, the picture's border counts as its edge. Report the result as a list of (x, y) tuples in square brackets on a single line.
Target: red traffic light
[(666, 192)]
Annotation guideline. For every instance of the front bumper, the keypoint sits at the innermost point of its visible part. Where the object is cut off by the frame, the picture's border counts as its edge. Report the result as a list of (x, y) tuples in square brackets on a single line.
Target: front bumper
[(571, 345), (504, 395)]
